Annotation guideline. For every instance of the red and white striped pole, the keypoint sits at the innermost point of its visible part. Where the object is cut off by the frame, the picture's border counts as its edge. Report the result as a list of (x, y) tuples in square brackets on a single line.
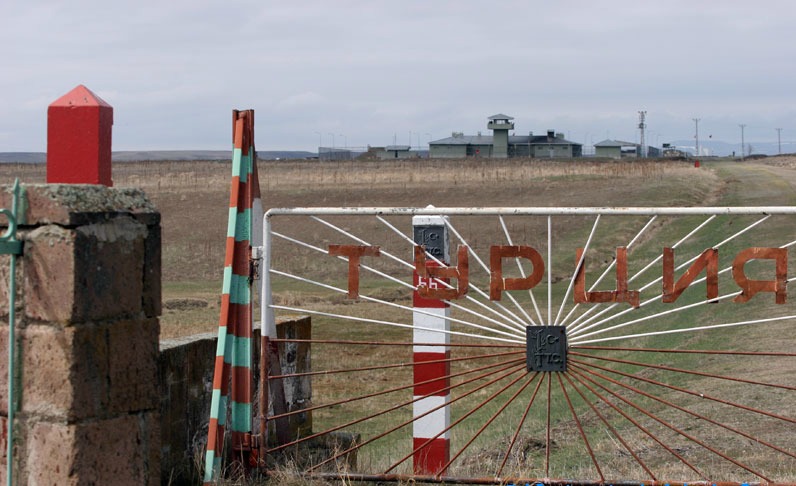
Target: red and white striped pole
[(432, 318)]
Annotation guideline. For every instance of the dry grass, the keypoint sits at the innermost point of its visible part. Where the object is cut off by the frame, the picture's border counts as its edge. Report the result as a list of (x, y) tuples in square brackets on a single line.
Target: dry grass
[(193, 198)]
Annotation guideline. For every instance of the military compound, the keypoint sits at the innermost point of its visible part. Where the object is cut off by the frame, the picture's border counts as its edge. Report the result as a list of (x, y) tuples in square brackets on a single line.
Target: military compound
[(501, 144)]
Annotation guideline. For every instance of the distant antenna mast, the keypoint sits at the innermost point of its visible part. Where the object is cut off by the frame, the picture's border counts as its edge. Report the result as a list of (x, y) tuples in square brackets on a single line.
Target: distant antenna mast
[(642, 115), (696, 135)]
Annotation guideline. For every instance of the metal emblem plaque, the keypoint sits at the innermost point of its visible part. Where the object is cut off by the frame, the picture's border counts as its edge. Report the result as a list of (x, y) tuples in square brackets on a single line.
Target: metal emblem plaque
[(546, 348), (433, 238)]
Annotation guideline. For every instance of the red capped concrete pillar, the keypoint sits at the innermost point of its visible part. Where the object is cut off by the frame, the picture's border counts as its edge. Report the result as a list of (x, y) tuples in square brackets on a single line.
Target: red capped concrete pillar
[(79, 139)]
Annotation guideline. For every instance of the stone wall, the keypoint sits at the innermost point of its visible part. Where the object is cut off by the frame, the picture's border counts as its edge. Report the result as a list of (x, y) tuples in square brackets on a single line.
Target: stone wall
[(185, 376), (98, 400), (88, 299)]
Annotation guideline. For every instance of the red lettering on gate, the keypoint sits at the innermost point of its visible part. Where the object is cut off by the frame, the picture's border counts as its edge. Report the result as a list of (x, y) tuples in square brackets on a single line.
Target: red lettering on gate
[(708, 260), (497, 283), (621, 294), (750, 287), (354, 253), (429, 276)]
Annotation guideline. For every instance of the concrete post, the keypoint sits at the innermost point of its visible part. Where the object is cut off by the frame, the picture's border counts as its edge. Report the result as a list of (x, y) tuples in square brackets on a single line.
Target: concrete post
[(87, 346), (430, 338), (79, 128)]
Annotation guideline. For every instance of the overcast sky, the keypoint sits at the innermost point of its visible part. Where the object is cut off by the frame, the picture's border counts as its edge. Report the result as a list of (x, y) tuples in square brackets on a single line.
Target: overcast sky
[(372, 72)]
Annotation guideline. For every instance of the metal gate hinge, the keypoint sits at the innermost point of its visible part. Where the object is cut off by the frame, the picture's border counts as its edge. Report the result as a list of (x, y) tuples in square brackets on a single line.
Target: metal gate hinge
[(254, 263)]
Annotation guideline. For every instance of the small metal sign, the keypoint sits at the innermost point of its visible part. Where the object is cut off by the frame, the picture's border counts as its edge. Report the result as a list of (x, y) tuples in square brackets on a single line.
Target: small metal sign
[(546, 348), (433, 238)]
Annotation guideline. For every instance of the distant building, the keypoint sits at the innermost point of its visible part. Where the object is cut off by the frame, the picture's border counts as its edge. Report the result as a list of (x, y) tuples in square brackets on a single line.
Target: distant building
[(501, 145), (396, 152), (616, 149)]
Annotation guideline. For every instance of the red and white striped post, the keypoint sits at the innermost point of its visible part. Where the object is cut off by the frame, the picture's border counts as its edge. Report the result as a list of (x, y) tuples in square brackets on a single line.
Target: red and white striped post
[(431, 314)]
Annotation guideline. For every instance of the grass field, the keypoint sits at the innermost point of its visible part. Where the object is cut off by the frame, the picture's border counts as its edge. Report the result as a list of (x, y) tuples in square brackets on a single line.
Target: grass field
[(193, 199)]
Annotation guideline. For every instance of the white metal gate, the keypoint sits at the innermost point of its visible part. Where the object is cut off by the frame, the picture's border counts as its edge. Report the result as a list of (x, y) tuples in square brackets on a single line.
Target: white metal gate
[(553, 345)]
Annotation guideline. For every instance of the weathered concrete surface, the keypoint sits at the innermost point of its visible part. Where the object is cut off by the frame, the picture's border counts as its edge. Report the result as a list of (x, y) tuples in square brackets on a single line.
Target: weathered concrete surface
[(87, 329), (72, 205), (185, 377)]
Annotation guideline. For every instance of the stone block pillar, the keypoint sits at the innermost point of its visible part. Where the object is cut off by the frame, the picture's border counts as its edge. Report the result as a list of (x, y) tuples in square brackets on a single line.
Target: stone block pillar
[(87, 337)]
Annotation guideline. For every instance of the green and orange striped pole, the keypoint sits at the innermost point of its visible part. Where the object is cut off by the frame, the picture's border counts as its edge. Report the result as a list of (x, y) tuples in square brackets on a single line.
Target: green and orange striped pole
[(232, 379)]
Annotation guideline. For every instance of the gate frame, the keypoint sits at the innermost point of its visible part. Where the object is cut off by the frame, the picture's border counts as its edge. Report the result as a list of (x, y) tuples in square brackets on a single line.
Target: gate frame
[(268, 349)]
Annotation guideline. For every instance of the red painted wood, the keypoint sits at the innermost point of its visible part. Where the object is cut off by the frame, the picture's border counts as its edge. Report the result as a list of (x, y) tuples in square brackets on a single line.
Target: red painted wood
[(79, 126)]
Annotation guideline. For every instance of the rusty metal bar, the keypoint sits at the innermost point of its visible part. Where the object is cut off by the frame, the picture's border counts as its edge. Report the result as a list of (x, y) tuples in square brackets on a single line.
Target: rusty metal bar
[(459, 420), (580, 377), (691, 351), (689, 392), (394, 365), (389, 431), (681, 432), (390, 409), (681, 370), (547, 435), (265, 395), (391, 390), (580, 427), (519, 427), (413, 479), (488, 422), (610, 427), (710, 420)]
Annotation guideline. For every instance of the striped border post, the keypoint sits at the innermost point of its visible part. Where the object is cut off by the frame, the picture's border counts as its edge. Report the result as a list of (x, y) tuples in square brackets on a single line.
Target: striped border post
[(232, 379), (429, 458)]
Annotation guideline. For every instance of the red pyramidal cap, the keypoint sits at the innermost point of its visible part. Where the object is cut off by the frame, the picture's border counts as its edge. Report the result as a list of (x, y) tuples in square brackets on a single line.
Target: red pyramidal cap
[(79, 132), (80, 96)]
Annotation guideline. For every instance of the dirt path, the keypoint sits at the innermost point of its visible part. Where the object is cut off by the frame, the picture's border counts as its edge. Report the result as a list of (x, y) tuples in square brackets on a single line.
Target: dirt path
[(769, 183)]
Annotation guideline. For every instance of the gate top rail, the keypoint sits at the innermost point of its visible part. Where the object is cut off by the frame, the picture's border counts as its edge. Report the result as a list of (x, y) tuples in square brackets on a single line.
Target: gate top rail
[(534, 211)]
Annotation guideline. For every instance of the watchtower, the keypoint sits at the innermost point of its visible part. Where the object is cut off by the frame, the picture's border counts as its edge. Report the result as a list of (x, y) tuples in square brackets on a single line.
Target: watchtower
[(500, 124)]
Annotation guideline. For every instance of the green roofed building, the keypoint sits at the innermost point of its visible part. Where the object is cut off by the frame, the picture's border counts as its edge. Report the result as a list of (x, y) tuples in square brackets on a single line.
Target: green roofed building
[(501, 144)]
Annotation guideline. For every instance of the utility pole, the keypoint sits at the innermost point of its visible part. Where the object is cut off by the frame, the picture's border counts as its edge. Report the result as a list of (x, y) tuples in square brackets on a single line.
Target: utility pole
[(742, 125), (779, 141), (641, 126), (696, 123)]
